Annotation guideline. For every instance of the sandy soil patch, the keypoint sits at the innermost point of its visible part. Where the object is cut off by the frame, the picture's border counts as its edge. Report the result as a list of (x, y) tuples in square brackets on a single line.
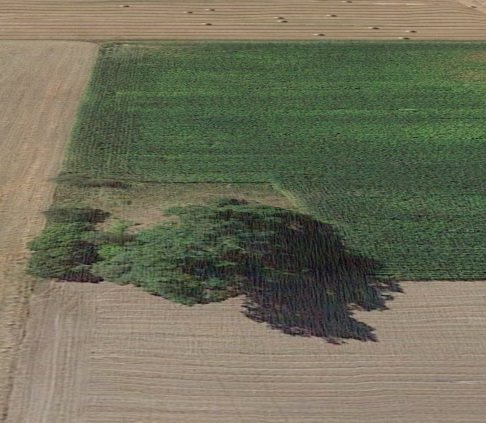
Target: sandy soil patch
[(249, 19), (110, 354), (40, 87)]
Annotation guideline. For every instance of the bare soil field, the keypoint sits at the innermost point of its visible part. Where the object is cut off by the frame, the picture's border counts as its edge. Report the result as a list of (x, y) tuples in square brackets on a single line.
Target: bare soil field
[(40, 87), (253, 19), (111, 354)]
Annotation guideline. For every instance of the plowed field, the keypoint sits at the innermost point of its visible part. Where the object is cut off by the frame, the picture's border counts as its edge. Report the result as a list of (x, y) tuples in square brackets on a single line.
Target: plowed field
[(111, 354), (40, 87)]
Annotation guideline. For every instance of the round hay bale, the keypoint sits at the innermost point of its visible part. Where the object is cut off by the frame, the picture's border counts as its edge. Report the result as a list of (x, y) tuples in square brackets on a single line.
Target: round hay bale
[(282, 21), (278, 17), (209, 10), (124, 5), (373, 27), (188, 12), (403, 38), (207, 23), (319, 34), (411, 31), (346, 1), (332, 15)]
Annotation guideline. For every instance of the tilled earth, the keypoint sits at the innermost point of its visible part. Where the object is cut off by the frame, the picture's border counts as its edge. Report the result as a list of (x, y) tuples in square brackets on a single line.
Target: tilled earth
[(110, 354), (40, 87)]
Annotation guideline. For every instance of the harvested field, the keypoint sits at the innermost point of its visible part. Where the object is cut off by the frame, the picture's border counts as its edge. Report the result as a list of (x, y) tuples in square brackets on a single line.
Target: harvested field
[(70, 19), (110, 354), (41, 83)]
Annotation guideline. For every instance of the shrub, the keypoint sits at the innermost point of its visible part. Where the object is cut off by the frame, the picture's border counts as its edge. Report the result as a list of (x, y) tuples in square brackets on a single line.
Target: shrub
[(176, 263), (199, 260), (61, 252), (64, 249)]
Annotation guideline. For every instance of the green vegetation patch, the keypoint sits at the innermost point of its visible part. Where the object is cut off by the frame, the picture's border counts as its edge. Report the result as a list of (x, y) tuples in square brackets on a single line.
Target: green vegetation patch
[(384, 140), (65, 248), (294, 271)]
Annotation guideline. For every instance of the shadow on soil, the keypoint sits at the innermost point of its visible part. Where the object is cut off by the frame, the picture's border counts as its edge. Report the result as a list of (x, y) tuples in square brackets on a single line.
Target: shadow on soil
[(310, 284)]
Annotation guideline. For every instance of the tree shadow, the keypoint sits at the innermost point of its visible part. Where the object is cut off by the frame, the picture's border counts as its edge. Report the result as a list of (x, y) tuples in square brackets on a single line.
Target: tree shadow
[(303, 281)]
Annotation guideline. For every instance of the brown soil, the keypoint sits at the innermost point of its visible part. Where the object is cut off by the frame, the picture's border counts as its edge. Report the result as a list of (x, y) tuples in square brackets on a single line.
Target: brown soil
[(40, 87), (249, 19), (479, 5), (110, 354)]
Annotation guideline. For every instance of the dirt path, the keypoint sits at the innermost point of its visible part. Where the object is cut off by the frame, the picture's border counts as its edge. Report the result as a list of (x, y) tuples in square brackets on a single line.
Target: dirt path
[(40, 87), (110, 354), (248, 19)]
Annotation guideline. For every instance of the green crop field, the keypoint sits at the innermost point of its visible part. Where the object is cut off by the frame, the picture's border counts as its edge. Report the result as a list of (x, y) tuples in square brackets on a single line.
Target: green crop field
[(385, 141)]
